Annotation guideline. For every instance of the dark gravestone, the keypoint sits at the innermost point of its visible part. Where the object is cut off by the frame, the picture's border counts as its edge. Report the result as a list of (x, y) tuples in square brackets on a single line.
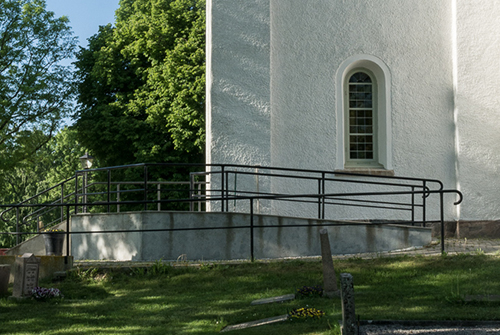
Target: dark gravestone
[(348, 313), (26, 270), (330, 289)]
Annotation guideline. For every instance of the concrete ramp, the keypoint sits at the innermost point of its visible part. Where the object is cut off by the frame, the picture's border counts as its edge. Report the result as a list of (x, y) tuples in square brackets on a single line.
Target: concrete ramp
[(35, 245), (272, 239)]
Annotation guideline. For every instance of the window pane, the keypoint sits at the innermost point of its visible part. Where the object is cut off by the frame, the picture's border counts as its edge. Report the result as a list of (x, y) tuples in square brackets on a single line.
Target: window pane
[(360, 77), (361, 123)]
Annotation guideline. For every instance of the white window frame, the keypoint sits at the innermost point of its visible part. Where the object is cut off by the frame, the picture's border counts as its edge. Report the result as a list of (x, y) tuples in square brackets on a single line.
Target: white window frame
[(382, 80), (358, 162)]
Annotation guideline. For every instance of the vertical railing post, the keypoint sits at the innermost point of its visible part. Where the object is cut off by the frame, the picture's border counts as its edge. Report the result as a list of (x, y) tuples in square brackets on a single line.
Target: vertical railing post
[(324, 191), (323, 197), (158, 195), (76, 193), (85, 175), (257, 183), (199, 197), (226, 192), (118, 198), (424, 197), (442, 219), (252, 258), (17, 225), (191, 190), (145, 187), (412, 205), (223, 186), (62, 201), (319, 198), (67, 235), (109, 190)]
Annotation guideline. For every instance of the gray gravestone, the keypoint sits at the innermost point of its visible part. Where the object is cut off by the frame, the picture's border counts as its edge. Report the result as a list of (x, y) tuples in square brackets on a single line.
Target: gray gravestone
[(25, 275), (347, 296), (4, 278), (330, 289)]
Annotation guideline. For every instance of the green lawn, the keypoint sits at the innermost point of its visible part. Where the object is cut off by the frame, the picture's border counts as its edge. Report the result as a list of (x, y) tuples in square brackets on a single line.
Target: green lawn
[(203, 300)]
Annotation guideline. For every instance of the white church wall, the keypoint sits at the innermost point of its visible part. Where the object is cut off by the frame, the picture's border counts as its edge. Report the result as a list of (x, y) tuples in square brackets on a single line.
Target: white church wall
[(478, 107), (238, 127), (273, 99), (238, 90), (310, 41)]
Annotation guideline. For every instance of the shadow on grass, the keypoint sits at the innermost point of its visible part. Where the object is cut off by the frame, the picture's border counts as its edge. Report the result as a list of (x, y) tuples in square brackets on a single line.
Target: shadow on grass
[(203, 301), (194, 301)]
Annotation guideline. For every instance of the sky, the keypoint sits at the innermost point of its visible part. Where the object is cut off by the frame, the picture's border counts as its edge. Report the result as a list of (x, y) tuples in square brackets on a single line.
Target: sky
[(85, 16)]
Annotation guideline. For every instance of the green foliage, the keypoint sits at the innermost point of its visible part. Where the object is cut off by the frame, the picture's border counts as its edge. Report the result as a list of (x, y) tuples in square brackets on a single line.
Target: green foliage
[(159, 268), (35, 92), (52, 163), (141, 84)]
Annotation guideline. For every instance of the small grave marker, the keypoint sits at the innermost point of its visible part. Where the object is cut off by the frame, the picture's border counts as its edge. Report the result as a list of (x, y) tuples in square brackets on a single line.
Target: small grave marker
[(25, 275), (281, 298), (330, 289), (348, 313)]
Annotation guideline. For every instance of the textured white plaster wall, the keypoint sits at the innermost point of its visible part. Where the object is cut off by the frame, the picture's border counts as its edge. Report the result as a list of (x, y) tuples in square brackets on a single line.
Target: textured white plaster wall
[(238, 92), (311, 39), (238, 79), (478, 108), (271, 81)]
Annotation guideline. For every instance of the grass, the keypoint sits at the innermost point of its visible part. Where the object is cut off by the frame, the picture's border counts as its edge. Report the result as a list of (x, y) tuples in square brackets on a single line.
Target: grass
[(166, 300)]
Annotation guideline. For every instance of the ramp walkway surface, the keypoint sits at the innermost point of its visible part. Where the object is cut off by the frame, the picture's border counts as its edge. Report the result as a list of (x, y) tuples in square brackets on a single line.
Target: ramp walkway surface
[(453, 247)]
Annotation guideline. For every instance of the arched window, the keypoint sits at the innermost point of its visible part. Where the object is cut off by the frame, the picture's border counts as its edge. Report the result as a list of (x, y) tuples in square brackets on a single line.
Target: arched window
[(361, 120), (364, 134)]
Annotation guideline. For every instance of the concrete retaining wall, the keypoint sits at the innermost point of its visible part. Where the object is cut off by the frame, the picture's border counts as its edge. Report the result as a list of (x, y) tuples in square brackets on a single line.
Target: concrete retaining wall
[(224, 244)]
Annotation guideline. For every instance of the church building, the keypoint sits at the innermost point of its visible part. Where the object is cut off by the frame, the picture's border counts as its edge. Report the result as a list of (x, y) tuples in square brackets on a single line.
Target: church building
[(395, 88)]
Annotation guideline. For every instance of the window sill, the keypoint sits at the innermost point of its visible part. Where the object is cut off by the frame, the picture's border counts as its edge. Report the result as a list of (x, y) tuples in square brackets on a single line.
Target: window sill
[(367, 171)]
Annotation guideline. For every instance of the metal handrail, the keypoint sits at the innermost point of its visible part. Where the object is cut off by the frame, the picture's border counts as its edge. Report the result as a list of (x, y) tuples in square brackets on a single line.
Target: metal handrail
[(252, 226), (223, 195), (35, 196)]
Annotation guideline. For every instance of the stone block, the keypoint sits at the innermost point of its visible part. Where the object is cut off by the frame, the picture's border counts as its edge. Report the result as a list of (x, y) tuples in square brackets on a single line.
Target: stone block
[(349, 326), (26, 272)]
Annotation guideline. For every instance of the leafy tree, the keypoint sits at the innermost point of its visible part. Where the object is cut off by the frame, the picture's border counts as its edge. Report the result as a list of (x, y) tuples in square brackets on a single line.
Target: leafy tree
[(141, 84), (35, 91), (52, 163)]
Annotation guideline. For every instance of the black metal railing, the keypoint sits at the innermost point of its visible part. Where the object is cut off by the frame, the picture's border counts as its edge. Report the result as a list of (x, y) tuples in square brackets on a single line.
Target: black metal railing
[(224, 187)]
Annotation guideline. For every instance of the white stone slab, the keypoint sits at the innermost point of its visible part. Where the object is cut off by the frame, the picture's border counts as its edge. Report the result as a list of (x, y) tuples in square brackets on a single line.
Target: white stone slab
[(280, 298), (260, 322)]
